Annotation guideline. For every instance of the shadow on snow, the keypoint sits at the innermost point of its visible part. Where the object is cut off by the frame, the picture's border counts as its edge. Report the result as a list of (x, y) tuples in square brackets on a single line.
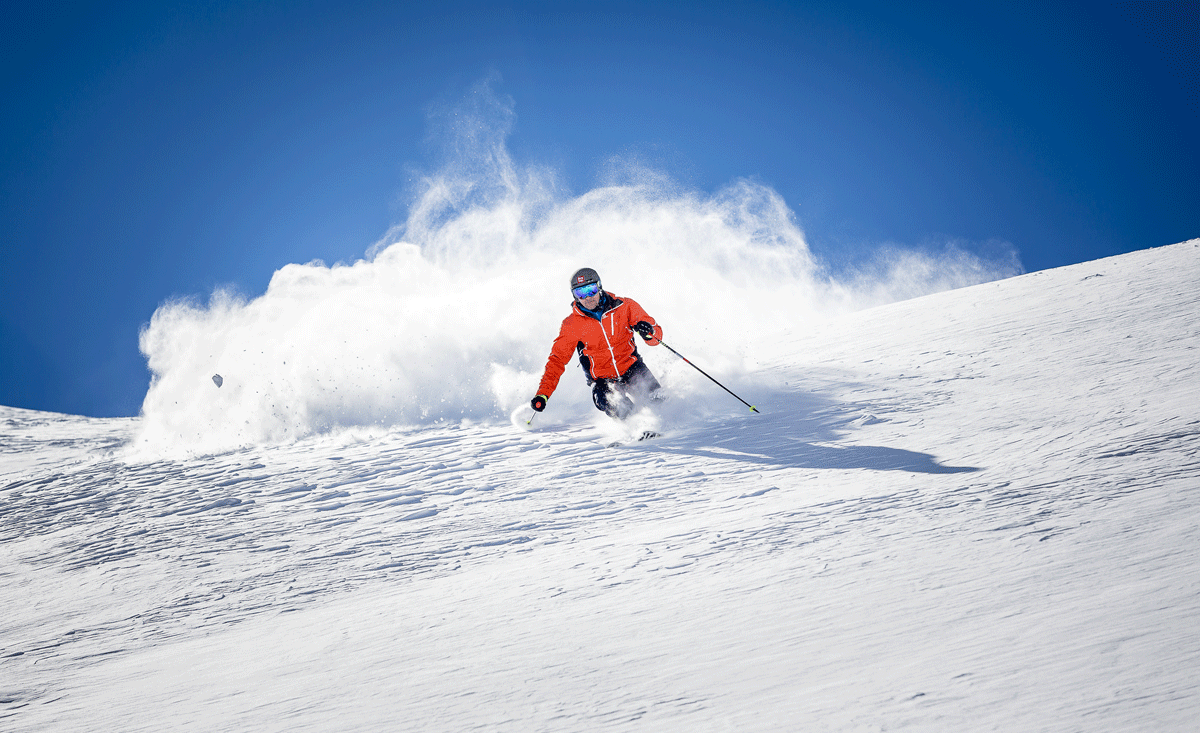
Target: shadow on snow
[(800, 430)]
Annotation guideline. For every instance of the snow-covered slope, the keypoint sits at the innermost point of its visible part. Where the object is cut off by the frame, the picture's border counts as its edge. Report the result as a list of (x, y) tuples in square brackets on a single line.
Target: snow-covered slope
[(971, 511)]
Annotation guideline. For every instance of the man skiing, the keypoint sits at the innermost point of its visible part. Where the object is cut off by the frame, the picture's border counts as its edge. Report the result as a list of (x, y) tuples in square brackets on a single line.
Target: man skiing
[(600, 328)]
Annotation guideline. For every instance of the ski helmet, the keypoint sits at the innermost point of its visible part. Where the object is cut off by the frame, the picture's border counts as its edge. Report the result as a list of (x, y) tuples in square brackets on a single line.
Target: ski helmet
[(584, 276)]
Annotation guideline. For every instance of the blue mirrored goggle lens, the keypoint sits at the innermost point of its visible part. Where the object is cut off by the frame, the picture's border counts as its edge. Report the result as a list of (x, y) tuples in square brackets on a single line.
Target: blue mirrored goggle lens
[(586, 291)]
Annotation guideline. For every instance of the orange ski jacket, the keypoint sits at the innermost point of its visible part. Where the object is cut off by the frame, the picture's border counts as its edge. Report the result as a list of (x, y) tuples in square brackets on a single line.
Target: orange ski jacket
[(606, 341)]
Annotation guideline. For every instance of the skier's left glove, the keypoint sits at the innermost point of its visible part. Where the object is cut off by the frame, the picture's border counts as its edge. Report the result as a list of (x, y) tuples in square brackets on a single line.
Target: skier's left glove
[(538, 403), (645, 329)]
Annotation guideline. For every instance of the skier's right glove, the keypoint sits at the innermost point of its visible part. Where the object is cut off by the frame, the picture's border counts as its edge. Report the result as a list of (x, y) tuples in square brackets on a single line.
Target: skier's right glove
[(538, 403)]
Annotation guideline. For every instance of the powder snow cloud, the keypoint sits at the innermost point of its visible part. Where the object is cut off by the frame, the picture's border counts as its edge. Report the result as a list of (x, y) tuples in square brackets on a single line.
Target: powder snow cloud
[(450, 316)]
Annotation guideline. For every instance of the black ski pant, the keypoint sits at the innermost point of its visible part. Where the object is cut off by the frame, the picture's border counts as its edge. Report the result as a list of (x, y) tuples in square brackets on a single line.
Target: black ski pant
[(613, 395)]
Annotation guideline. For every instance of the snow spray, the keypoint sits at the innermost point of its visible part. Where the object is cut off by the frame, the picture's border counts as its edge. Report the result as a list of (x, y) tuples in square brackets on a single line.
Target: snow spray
[(450, 316)]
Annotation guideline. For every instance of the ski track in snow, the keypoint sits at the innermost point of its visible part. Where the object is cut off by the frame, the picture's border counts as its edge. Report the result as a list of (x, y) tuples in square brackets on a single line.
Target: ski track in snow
[(970, 511)]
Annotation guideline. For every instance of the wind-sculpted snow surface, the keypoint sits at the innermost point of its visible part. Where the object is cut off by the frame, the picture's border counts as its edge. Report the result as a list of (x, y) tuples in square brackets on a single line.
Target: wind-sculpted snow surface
[(970, 511), (452, 315)]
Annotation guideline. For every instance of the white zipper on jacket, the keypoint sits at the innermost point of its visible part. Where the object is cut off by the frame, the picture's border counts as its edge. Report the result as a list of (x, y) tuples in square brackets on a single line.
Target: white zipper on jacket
[(611, 354)]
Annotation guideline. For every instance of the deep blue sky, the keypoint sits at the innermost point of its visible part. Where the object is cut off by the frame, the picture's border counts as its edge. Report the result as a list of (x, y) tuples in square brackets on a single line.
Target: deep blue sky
[(161, 149)]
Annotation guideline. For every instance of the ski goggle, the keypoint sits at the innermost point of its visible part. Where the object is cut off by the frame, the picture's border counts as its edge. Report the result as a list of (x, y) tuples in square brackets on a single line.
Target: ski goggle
[(586, 291)]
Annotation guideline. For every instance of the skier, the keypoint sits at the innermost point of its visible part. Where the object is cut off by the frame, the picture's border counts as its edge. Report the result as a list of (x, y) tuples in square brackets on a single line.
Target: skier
[(600, 328)]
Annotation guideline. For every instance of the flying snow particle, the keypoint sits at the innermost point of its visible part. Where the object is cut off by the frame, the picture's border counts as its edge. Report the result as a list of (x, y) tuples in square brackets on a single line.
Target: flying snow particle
[(217, 380)]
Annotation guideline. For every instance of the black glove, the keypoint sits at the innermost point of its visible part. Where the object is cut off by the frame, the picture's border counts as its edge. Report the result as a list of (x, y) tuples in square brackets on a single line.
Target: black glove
[(538, 403), (645, 329)]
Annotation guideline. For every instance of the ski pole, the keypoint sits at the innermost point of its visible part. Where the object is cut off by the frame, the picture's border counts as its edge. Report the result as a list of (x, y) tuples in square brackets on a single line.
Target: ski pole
[(681, 356)]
